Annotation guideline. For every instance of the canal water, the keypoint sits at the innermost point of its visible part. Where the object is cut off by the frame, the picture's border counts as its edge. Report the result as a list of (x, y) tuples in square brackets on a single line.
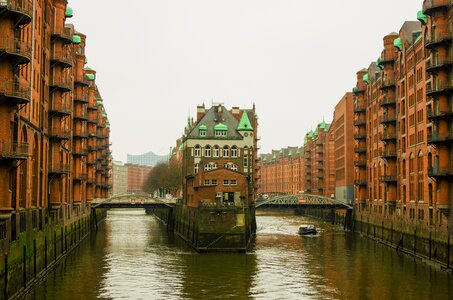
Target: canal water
[(133, 257)]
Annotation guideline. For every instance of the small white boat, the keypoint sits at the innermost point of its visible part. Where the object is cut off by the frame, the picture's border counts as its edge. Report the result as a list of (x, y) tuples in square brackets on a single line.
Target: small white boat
[(305, 230)]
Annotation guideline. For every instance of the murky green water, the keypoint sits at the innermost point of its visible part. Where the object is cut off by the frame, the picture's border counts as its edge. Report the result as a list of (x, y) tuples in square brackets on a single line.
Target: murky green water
[(132, 257)]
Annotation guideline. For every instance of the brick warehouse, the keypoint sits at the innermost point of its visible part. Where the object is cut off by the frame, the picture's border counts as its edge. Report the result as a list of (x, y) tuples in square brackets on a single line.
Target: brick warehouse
[(54, 131), (323, 166), (399, 172)]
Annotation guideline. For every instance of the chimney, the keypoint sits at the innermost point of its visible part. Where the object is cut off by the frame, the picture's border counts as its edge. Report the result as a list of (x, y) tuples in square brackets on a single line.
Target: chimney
[(200, 112), (219, 113), (236, 112)]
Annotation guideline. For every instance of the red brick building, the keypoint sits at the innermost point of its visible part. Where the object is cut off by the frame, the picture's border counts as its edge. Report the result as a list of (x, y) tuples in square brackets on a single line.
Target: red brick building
[(136, 177), (48, 159)]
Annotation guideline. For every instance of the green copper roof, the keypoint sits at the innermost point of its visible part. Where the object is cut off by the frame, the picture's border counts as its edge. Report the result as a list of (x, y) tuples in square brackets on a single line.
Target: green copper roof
[(99, 102), (310, 134), (104, 115), (68, 13), (264, 158), (244, 123), (422, 17), (220, 126), (90, 76), (316, 131), (76, 39), (365, 78), (274, 156), (378, 63), (398, 44), (298, 151), (181, 147), (323, 124), (203, 127), (107, 125), (290, 153), (256, 117)]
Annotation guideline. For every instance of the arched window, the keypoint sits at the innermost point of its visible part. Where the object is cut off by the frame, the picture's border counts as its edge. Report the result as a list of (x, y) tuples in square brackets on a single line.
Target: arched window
[(420, 161), (226, 151), (207, 151), (216, 151), (234, 151), (197, 151)]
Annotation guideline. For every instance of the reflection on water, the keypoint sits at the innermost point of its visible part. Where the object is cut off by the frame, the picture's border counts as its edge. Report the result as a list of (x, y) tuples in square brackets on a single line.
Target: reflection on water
[(133, 257)]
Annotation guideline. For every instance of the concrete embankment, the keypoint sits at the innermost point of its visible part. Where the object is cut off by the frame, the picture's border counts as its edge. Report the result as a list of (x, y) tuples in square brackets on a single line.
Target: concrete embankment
[(33, 241)]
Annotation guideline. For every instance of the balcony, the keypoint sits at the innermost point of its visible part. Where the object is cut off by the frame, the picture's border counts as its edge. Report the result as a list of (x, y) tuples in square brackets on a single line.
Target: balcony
[(13, 151), (438, 64), (388, 119), (58, 169), (80, 115), (61, 84), (78, 176), (439, 113), (61, 58), (308, 172), (59, 133), (307, 163), (360, 163), (386, 136), (63, 34), (80, 133), (388, 154), (437, 172), (356, 90), (81, 97), (437, 138), (388, 179), (320, 175), (387, 101), (360, 122), (359, 136), (360, 182), (430, 6), (387, 57), (359, 149), (59, 108), (441, 88), (18, 51), (387, 84), (81, 80), (20, 10), (79, 150), (359, 109), (440, 38), (93, 119), (14, 92)]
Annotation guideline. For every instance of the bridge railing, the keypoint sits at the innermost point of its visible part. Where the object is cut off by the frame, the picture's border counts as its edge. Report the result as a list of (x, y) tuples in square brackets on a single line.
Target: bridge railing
[(302, 199)]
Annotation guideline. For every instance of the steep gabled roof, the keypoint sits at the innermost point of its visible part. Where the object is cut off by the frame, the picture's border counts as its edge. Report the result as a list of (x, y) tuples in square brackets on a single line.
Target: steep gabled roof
[(244, 123)]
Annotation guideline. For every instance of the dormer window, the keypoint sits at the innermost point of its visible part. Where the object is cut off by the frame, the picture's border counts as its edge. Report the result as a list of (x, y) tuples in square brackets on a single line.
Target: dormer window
[(202, 130), (220, 130)]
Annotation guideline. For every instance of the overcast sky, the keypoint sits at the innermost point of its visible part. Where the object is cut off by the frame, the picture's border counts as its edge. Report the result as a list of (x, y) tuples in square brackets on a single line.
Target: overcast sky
[(156, 60)]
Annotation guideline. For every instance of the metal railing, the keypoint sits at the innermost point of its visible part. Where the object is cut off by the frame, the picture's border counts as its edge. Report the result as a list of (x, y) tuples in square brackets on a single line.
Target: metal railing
[(60, 107), (15, 46), (80, 176), (436, 171), (387, 83), (388, 178), (388, 101), (61, 82), (60, 132), (61, 56), (388, 118), (12, 88), (22, 6), (58, 168), (435, 113), (388, 153), (64, 33), (436, 63), (434, 88), (13, 150), (437, 38)]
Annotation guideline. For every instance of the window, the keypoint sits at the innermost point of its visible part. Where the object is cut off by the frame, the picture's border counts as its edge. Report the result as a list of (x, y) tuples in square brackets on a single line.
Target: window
[(233, 182), (207, 167), (226, 182), (207, 182), (207, 151), (216, 151), (234, 167), (221, 133), (234, 151), (226, 151), (246, 161), (197, 151), (196, 168), (214, 182), (202, 132)]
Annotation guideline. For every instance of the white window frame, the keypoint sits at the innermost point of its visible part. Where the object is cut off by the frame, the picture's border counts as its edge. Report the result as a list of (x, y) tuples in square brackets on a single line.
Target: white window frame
[(226, 182), (233, 182), (207, 151), (207, 182), (246, 161), (216, 151), (226, 151), (214, 182), (197, 151), (234, 152), (234, 167), (207, 167), (196, 168), (202, 132), (221, 133)]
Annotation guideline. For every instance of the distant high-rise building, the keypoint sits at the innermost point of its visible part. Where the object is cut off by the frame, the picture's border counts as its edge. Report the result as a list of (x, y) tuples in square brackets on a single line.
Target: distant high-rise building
[(149, 159), (119, 178)]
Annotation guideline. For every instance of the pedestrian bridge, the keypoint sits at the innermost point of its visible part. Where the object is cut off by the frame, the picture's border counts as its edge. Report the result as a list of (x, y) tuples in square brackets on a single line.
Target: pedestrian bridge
[(132, 201), (301, 201)]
